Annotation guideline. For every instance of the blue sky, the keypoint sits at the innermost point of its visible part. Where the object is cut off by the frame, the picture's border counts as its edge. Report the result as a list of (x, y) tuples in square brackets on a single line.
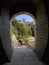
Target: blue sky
[(24, 16)]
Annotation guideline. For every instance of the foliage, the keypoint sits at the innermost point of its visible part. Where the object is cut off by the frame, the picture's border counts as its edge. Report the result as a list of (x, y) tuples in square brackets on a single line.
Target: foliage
[(33, 32), (22, 31)]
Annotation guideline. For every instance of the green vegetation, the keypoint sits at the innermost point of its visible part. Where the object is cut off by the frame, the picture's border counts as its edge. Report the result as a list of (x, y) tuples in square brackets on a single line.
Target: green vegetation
[(22, 30)]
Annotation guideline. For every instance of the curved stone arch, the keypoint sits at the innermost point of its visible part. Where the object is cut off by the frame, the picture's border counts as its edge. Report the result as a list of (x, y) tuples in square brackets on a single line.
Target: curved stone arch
[(40, 17), (27, 13), (24, 12), (23, 7)]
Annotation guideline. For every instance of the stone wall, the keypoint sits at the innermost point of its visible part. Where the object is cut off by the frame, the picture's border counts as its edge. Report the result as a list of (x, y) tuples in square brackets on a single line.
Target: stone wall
[(5, 32), (41, 30)]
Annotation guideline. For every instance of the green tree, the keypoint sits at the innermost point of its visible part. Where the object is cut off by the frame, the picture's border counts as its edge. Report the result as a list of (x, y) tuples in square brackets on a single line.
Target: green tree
[(22, 31)]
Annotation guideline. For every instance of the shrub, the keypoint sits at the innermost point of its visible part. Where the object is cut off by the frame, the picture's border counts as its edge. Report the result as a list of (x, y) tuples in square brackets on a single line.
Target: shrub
[(22, 31)]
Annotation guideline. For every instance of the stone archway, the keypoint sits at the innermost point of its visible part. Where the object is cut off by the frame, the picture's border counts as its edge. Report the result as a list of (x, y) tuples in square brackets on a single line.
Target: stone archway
[(41, 24), (32, 23), (38, 10)]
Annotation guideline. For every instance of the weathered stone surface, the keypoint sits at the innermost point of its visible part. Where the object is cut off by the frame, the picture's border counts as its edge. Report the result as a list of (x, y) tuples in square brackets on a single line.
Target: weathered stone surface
[(41, 30), (25, 56), (5, 33), (8, 64), (41, 26)]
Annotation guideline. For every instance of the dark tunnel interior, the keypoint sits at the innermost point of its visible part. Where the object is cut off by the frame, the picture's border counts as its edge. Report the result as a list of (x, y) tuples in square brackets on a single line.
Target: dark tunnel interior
[(13, 9)]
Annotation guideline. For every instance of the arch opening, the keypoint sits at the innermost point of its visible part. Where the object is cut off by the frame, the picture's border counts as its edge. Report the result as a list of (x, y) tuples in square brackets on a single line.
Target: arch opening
[(23, 30)]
